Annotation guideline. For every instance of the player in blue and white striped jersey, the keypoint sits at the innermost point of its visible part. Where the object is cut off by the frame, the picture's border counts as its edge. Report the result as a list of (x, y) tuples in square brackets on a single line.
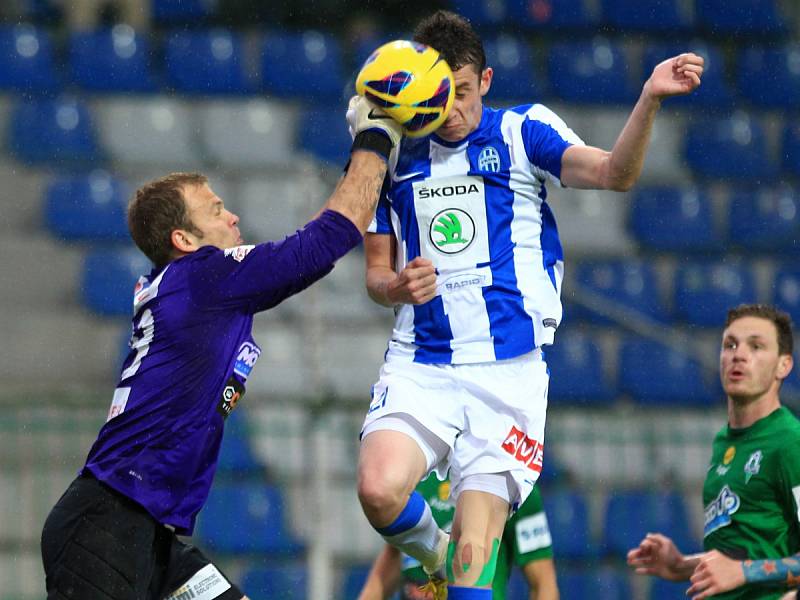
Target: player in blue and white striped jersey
[(465, 247)]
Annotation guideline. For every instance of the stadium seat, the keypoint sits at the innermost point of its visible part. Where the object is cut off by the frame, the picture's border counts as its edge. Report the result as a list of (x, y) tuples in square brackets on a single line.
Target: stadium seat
[(661, 589), (206, 62), (645, 15), (324, 135), (182, 11), (628, 285), (236, 457), (485, 14), (568, 518), (53, 131), (87, 207), (109, 276), (704, 291), (733, 147), (770, 77), (154, 131), (26, 60), (786, 293), (630, 515), (654, 374), (577, 371), (353, 581), (673, 220), (765, 219), (111, 60), (246, 518), (715, 92), (514, 71), (287, 582), (567, 14), (756, 17), (590, 72), (791, 147), (240, 134), (602, 584), (306, 65)]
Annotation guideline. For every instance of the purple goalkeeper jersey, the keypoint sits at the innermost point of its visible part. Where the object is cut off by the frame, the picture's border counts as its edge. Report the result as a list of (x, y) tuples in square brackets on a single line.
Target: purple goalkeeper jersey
[(191, 353)]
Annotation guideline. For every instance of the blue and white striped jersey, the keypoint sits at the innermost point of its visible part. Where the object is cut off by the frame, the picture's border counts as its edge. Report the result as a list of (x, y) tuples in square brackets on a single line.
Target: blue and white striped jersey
[(477, 209)]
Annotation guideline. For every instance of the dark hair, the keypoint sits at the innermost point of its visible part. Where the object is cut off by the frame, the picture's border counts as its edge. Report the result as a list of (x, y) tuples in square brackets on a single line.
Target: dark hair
[(454, 38), (157, 209), (782, 322)]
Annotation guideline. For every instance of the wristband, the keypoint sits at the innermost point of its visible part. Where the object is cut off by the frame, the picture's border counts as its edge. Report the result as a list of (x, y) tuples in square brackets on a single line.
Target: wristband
[(374, 140)]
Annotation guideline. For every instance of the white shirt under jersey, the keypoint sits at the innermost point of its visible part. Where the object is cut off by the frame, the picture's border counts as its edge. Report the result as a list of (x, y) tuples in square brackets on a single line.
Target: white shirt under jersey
[(477, 209)]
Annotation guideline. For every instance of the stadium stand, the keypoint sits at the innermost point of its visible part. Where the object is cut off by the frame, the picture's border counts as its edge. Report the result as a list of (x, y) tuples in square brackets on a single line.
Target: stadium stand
[(26, 60), (111, 60)]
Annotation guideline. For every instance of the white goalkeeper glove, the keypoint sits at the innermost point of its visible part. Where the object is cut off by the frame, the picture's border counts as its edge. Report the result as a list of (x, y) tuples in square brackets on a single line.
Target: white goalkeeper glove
[(371, 128)]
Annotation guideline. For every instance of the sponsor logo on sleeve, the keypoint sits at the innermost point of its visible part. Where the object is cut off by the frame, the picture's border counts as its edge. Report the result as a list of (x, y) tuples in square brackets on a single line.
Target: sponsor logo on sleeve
[(231, 394), (238, 253), (246, 359), (719, 512), (533, 533), (208, 583)]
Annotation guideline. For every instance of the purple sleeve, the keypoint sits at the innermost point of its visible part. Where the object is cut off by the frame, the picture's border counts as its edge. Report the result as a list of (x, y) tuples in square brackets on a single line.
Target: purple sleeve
[(255, 278)]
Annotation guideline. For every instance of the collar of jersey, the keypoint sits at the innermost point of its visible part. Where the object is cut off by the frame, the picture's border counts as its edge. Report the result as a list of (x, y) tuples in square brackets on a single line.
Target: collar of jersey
[(470, 136)]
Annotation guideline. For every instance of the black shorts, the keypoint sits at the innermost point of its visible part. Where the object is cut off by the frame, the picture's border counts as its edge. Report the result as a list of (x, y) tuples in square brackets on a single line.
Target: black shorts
[(99, 545)]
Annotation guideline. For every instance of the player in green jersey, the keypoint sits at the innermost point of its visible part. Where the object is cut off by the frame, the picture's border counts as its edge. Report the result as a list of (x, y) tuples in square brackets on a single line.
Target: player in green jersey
[(526, 543), (752, 488)]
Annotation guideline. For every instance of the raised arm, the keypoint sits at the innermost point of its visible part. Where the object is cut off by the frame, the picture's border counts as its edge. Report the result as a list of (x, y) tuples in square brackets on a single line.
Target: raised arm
[(588, 167)]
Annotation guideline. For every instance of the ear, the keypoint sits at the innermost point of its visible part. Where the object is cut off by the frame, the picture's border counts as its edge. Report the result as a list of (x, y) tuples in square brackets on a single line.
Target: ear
[(486, 81), (183, 241), (785, 364)]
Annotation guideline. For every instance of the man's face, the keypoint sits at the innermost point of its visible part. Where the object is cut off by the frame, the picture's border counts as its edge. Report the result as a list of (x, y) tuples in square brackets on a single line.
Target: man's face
[(465, 115), (749, 362), (216, 225)]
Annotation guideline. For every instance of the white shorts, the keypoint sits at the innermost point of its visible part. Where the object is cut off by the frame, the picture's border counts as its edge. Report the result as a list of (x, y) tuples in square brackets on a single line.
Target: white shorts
[(470, 419)]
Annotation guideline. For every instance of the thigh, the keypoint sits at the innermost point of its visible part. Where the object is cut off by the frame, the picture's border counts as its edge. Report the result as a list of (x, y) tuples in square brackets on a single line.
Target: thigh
[(96, 546), (190, 574)]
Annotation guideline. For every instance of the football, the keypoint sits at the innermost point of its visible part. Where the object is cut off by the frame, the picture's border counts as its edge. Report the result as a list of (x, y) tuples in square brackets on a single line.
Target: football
[(411, 82)]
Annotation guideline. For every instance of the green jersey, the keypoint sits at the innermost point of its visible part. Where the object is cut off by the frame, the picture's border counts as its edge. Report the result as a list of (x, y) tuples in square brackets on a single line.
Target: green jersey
[(751, 495), (526, 537)]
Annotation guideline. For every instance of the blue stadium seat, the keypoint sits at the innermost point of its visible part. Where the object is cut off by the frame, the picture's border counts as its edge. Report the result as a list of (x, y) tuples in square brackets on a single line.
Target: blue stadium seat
[(109, 276), (206, 62), (26, 60), (758, 17), (630, 515), (590, 72), (577, 372), (628, 284), (645, 15), (514, 71), (704, 291), (236, 456), (655, 374), (791, 147), (733, 147), (714, 93), (765, 219), (305, 65), (602, 584), (87, 207), (353, 581), (287, 582), (673, 220), (111, 60), (485, 14), (567, 14), (246, 518), (662, 589), (57, 131), (770, 77), (568, 517), (323, 133), (786, 293), (182, 11)]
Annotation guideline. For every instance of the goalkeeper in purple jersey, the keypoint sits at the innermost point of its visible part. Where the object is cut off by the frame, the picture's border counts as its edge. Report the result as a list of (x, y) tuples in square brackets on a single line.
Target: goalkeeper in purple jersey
[(112, 535), (752, 488)]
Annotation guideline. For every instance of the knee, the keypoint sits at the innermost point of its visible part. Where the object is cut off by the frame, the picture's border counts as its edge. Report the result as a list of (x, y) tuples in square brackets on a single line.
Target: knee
[(473, 560), (381, 497)]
